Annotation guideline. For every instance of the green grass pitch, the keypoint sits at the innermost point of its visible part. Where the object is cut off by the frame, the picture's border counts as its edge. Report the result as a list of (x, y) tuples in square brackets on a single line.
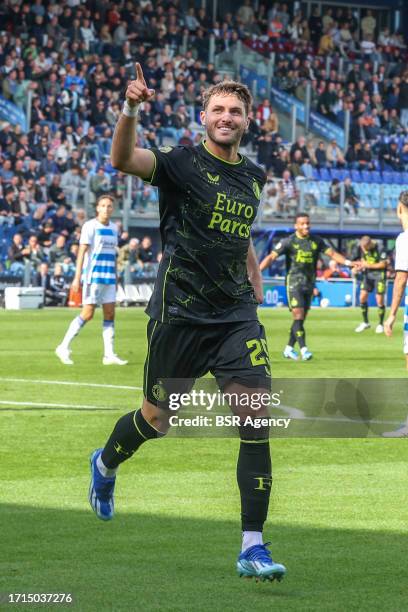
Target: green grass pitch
[(339, 511)]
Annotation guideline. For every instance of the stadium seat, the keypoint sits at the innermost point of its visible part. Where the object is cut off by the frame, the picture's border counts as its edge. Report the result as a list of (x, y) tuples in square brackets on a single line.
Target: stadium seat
[(376, 177), (367, 176), (398, 179), (395, 191), (323, 187), (346, 174), (316, 174), (356, 176), (387, 177), (335, 173), (405, 178), (325, 174)]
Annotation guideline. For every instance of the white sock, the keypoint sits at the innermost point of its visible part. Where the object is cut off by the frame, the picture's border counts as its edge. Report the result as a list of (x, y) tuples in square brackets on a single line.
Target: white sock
[(251, 538), (73, 330), (303, 350), (106, 472), (288, 348), (108, 333)]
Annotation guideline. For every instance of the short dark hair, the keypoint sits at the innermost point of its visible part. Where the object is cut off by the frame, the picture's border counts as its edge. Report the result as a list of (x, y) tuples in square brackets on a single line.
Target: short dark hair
[(301, 214), (226, 88), (104, 197), (403, 198)]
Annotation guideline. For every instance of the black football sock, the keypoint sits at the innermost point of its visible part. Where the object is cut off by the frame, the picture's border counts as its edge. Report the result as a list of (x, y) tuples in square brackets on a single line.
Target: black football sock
[(300, 332), (381, 314), (364, 312), (254, 476), (292, 337), (130, 432)]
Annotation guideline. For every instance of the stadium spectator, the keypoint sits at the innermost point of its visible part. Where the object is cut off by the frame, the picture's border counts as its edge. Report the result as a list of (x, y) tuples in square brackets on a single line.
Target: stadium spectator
[(58, 287), (45, 235), (287, 195), (334, 155), (335, 191), (16, 256), (351, 202), (389, 157), (334, 271), (315, 26), (58, 251), (299, 145), (145, 255), (33, 253), (320, 155), (128, 258), (368, 26), (6, 208)]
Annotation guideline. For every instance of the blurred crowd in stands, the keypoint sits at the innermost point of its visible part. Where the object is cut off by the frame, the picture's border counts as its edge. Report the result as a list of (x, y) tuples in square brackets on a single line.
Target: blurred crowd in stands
[(76, 58)]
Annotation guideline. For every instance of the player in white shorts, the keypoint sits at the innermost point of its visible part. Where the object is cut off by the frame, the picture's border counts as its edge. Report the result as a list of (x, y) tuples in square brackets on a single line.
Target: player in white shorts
[(96, 266), (400, 283)]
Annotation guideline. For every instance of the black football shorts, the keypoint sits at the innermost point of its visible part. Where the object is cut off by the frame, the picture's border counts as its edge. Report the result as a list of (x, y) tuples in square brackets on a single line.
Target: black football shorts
[(232, 352), (373, 284), (300, 295)]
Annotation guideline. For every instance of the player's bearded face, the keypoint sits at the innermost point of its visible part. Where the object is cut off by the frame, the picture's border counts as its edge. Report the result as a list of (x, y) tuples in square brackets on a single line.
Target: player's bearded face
[(225, 120)]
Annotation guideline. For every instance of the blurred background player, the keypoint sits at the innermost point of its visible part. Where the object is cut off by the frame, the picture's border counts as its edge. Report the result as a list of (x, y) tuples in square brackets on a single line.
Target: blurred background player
[(302, 250), (400, 284), (374, 264), (96, 264)]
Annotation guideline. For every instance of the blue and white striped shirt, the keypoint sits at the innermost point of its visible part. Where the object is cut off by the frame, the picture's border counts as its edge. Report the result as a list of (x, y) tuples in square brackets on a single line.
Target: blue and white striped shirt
[(100, 260)]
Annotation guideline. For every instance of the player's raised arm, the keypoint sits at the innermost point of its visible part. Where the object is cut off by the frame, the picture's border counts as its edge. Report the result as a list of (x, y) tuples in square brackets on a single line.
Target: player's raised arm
[(125, 156), (340, 259), (268, 260)]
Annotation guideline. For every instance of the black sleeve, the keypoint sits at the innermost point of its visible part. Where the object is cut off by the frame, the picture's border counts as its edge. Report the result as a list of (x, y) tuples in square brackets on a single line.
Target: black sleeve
[(171, 167), (281, 247), (323, 245)]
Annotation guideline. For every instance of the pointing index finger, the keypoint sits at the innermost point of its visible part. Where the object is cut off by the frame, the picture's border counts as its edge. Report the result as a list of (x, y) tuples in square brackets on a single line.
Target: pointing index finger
[(139, 74)]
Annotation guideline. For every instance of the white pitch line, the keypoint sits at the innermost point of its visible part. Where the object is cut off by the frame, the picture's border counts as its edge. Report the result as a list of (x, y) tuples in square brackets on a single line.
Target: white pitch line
[(68, 382), (47, 405)]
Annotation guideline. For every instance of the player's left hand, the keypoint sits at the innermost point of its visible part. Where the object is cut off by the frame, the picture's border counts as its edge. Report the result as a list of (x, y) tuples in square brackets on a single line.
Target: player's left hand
[(388, 325)]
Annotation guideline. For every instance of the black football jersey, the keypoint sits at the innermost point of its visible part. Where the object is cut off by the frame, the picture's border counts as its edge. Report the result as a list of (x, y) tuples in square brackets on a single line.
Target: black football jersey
[(207, 208)]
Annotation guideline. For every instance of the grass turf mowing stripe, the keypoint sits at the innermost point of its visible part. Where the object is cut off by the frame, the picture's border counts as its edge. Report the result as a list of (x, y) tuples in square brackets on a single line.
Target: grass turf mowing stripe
[(69, 382)]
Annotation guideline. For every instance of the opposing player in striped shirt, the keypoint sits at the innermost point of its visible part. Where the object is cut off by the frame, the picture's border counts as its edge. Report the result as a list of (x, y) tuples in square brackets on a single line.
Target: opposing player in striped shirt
[(96, 267)]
